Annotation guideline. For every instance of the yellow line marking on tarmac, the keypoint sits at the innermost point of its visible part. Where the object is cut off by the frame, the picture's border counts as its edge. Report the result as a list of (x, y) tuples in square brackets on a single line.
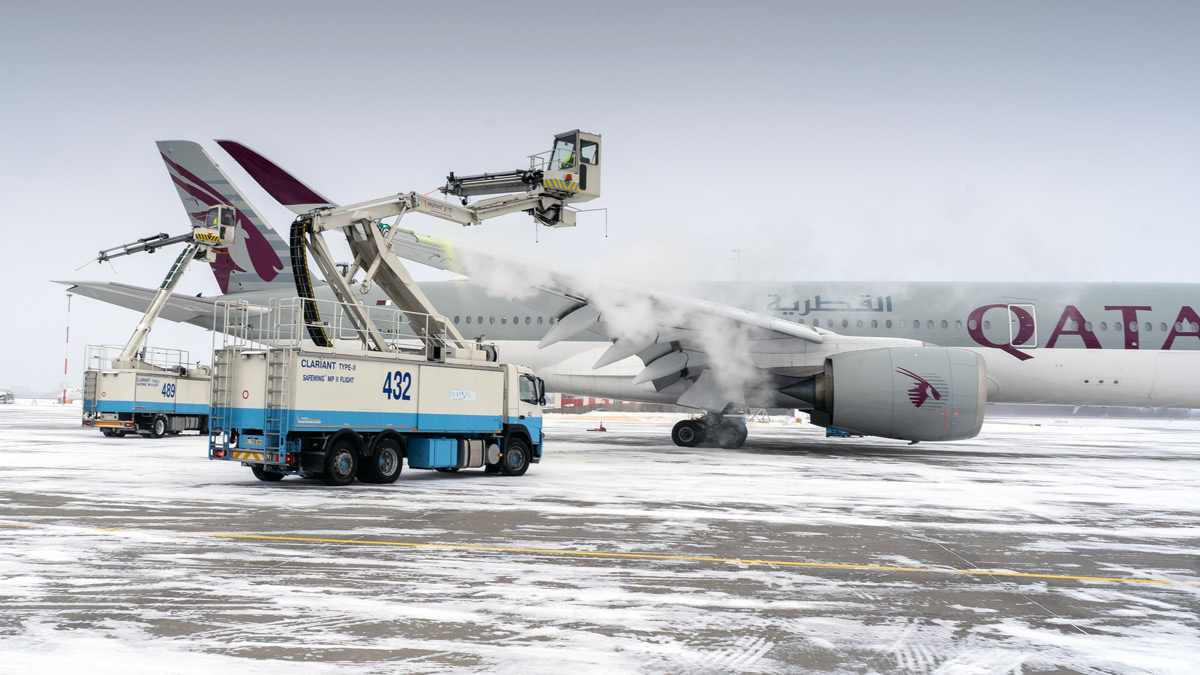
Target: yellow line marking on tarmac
[(644, 556)]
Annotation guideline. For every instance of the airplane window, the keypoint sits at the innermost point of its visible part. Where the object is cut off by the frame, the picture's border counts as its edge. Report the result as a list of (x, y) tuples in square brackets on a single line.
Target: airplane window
[(539, 320), (504, 320), (929, 324), (889, 323), (874, 323), (845, 323), (830, 322), (800, 320), (1117, 326), (516, 320), (1087, 325), (456, 319), (526, 321), (987, 325), (1132, 326), (491, 319), (1149, 327), (1162, 326), (468, 319), (972, 325), (903, 324), (1178, 325), (958, 325), (859, 325), (916, 323), (1103, 325), (553, 321), (944, 324)]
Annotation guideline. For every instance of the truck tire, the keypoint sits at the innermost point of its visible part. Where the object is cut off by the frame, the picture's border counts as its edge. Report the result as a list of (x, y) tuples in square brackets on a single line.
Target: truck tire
[(515, 461), (687, 433), (264, 475), (109, 433), (385, 465), (341, 462), (158, 428)]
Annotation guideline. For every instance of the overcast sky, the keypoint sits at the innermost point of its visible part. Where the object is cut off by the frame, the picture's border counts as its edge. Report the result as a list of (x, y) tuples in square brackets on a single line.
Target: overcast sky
[(909, 141)]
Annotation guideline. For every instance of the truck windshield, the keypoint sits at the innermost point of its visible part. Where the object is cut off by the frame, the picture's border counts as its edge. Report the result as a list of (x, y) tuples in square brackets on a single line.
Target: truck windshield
[(529, 393), (564, 153)]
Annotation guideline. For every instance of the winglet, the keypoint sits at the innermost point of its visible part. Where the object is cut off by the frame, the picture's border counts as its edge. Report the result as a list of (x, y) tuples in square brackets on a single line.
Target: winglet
[(283, 186)]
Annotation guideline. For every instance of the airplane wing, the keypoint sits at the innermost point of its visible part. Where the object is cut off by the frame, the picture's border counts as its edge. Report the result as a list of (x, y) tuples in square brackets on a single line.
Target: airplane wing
[(711, 355), (181, 308)]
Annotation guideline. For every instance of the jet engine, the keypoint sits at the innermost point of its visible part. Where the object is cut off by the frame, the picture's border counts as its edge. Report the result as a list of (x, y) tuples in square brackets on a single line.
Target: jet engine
[(909, 393)]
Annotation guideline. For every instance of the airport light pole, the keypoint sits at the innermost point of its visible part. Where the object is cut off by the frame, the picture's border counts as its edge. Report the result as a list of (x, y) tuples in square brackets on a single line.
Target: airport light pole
[(67, 353)]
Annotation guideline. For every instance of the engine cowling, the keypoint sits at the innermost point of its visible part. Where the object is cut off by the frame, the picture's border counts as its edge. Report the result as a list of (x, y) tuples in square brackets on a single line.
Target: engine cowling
[(909, 393)]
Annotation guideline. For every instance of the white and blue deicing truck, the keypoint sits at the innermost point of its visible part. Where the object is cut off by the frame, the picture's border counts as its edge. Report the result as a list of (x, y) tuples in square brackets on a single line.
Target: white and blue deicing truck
[(284, 405), (136, 389), (341, 390)]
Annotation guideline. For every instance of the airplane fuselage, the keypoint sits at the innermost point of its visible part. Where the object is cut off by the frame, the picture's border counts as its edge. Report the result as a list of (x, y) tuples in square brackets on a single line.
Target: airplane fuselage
[(1130, 344)]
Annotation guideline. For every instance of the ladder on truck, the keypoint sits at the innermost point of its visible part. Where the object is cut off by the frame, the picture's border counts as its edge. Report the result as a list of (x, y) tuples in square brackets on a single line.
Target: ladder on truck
[(279, 363), (90, 378), (221, 403)]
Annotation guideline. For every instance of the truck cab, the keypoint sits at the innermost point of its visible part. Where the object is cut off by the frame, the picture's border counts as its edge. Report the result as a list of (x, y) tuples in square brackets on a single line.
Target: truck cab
[(574, 166)]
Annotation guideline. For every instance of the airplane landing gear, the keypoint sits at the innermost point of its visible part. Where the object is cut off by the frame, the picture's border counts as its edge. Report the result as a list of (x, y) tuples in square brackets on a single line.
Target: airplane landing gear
[(687, 433), (725, 432)]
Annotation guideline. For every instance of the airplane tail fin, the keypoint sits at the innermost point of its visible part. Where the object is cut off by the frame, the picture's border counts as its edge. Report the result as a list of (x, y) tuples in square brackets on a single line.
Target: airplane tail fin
[(259, 258), (283, 186)]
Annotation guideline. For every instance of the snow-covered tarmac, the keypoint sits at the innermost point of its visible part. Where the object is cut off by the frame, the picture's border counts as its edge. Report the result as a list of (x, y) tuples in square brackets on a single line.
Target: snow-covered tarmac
[(793, 554)]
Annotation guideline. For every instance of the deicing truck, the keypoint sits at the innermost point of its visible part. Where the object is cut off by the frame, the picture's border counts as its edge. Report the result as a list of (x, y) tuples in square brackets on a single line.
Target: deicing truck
[(343, 411), (153, 392), (343, 390)]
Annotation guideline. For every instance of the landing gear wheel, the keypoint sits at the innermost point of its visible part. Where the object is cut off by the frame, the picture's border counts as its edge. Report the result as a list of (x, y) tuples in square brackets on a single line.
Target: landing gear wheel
[(687, 433), (158, 428), (515, 461), (341, 463), (729, 435), (264, 475), (386, 465)]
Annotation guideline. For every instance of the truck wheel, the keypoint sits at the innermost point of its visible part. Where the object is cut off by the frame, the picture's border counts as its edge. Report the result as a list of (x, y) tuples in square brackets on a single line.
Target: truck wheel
[(687, 433), (264, 475), (515, 461), (158, 428), (109, 433), (341, 463), (385, 466)]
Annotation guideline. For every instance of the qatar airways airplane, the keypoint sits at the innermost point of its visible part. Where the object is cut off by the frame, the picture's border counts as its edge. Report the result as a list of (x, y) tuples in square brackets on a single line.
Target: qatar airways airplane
[(909, 360)]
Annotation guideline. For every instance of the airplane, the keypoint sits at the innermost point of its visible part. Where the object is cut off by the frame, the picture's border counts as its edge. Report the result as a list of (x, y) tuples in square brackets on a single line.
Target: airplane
[(914, 361)]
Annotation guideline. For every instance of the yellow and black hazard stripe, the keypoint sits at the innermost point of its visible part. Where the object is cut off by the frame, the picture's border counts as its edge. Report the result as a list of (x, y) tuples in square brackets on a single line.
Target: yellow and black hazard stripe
[(560, 184)]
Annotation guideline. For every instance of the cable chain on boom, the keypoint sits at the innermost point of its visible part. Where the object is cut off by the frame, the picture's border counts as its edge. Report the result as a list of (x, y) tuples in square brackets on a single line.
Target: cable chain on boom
[(299, 250)]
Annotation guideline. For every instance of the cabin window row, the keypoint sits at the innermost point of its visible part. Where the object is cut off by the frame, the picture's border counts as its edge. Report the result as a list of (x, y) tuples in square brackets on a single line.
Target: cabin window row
[(1072, 326), (516, 320)]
